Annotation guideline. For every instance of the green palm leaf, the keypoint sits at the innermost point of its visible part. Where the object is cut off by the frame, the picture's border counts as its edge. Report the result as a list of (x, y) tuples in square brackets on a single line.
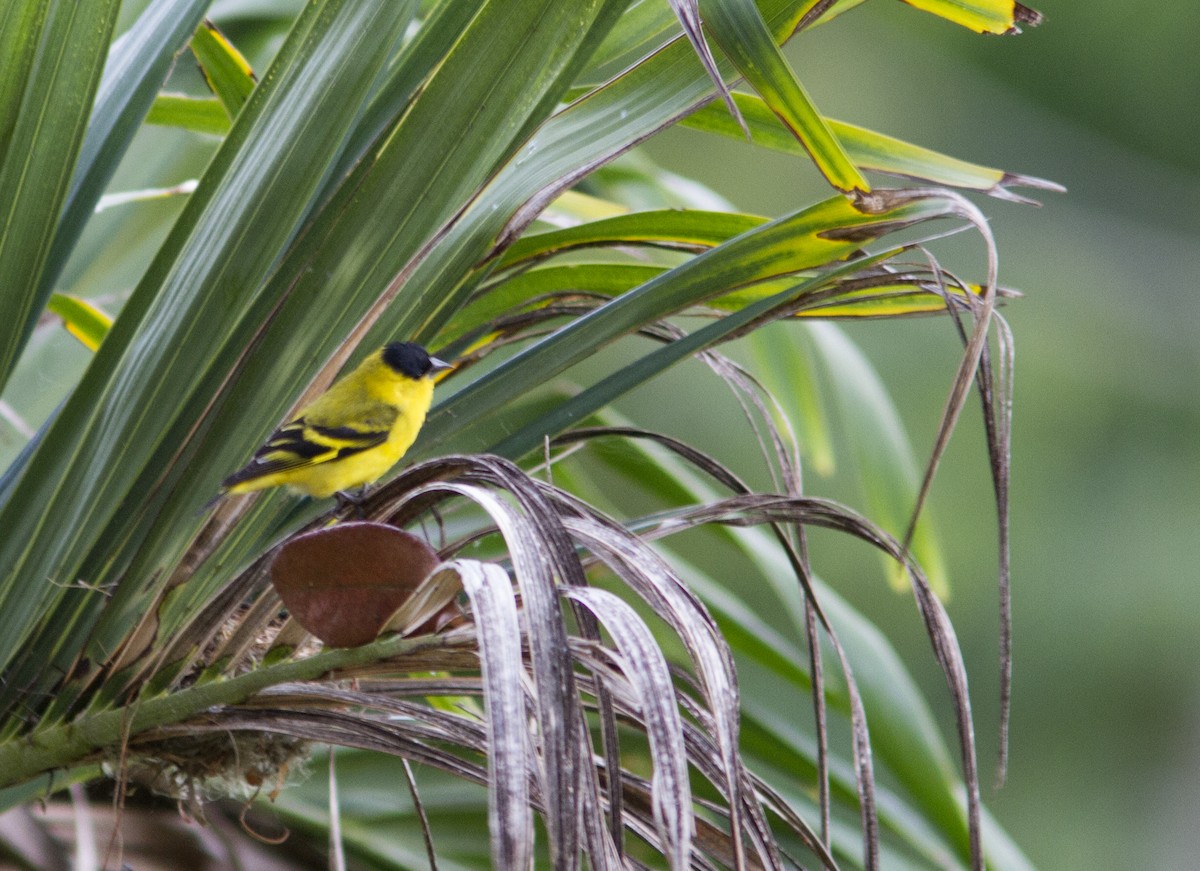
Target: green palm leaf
[(57, 53)]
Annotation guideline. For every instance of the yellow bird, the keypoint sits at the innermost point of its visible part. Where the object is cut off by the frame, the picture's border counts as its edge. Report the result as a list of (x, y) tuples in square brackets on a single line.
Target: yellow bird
[(353, 432)]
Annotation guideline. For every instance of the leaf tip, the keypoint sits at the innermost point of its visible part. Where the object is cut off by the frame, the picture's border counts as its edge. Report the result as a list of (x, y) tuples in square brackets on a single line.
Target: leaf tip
[(1003, 189)]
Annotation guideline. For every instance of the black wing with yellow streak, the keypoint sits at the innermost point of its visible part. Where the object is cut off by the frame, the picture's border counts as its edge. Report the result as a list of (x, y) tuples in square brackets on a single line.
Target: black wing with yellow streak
[(300, 444)]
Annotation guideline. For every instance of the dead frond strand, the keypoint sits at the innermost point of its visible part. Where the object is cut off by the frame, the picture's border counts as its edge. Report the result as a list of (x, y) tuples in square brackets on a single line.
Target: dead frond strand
[(510, 818), (419, 807), (337, 852), (652, 579), (560, 720), (688, 13), (641, 660)]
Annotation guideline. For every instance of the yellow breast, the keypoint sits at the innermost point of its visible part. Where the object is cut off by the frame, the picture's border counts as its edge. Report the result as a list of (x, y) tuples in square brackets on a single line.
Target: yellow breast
[(324, 479)]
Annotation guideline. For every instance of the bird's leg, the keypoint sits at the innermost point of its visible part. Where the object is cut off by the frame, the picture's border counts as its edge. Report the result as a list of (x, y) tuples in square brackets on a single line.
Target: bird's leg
[(347, 498)]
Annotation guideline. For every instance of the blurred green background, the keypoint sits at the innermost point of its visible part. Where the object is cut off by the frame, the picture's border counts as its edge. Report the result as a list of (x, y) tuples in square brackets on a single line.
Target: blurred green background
[(1102, 98)]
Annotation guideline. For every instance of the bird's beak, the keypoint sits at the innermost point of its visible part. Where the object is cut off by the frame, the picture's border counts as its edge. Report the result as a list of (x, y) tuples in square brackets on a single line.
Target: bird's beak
[(436, 366)]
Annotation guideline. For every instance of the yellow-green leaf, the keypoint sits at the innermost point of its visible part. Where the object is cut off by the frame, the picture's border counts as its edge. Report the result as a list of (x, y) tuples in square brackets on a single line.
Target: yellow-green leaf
[(892, 300), (83, 320), (224, 68), (875, 299), (199, 114), (691, 229), (739, 29), (982, 16), (869, 150), (539, 285)]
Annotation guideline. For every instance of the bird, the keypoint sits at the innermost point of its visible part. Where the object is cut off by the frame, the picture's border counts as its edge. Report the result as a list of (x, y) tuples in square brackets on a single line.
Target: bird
[(351, 434)]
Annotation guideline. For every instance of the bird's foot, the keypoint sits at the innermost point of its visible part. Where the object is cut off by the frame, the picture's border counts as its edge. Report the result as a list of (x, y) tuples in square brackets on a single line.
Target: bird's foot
[(352, 499)]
